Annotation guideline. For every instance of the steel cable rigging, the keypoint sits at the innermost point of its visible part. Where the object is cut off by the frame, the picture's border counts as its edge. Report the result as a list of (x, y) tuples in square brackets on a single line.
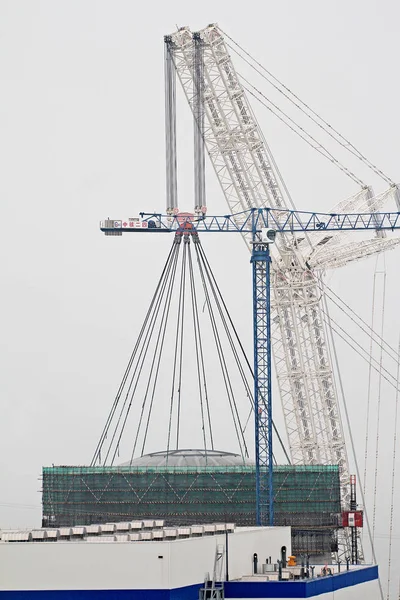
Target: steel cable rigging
[(377, 446), (156, 296), (298, 130), (391, 536), (375, 364), (175, 309), (303, 107)]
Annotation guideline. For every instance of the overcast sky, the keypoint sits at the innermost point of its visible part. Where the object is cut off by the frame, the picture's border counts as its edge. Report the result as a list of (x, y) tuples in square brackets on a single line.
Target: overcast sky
[(82, 138)]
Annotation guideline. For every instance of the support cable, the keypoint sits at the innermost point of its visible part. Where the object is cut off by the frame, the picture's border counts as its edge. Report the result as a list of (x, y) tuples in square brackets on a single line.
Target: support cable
[(388, 377), (369, 387), (220, 301), (141, 359), (225, 372), (298, 130), (379, 404), (303, 107), (179, 324), (97, 453), (159, 344), (185, 251), (352, 442), (137, 371), (196, 343), (172, 276), (393, 476), (379, 344), (365, 327), (201, 256)]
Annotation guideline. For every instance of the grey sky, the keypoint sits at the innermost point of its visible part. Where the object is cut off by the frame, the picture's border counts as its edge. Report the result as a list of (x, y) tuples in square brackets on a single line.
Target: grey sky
[(82, 137)]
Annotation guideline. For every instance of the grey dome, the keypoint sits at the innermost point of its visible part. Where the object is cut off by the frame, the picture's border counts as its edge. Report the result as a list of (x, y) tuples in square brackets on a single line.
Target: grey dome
[(189, 458)]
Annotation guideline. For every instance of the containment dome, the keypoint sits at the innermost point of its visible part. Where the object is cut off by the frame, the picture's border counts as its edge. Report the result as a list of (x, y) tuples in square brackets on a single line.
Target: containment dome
[(190, 458)]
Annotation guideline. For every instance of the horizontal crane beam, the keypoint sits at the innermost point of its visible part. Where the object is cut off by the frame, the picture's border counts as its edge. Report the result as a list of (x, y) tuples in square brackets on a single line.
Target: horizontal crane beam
[(254, 221)]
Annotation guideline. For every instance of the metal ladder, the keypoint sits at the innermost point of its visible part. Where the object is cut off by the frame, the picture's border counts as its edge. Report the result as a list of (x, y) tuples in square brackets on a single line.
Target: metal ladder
[(214, 589)]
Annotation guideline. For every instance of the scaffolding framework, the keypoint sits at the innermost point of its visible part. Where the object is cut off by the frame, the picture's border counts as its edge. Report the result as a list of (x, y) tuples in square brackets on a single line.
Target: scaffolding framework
[(306, 497)]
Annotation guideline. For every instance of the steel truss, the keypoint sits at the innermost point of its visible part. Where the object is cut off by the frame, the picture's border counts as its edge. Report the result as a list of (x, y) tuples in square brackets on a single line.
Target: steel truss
[(260, 258), (245, 169), (249, 179)]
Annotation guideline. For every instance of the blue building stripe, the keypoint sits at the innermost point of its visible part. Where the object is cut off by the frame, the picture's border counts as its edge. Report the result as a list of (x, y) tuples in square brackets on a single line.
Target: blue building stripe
[(233, 589), (299, 589), (190, 592)]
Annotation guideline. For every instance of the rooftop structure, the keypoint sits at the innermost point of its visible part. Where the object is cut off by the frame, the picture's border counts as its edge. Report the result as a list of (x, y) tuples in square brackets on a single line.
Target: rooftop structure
[(189, 458)]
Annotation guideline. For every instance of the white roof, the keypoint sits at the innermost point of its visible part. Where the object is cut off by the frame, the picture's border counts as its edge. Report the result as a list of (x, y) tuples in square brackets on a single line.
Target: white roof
[(148, 523), (52, 533), (158, 534), (124, 526), (16, 536), (79, 531), (39, 534), (170, 532), (107, 527), (159, 523), (189, 458), (100, 538), (93, 529)]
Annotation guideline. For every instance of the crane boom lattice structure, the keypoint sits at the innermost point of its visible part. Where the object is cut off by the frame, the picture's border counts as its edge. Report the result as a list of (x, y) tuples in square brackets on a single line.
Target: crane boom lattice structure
[(246, 172)]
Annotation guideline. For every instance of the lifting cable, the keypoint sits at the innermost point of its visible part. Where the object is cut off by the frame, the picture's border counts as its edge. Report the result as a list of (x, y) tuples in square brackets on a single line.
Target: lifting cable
[(364, 326), (359, 348), (369, 385), (143, 354), (149, 351), (161, 283), (224, 368), (379, 400), (222, 307), (159, 349), (178, 347), (186, 248), (341, 387), (298, 130), (199, 353), (304, 108), (393, 475)]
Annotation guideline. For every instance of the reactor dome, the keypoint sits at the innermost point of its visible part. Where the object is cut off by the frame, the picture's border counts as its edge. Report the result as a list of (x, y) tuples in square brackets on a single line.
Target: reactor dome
[(190, 458)]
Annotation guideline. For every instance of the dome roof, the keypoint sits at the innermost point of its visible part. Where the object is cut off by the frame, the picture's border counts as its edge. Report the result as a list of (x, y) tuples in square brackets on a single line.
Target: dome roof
[(189, 458)]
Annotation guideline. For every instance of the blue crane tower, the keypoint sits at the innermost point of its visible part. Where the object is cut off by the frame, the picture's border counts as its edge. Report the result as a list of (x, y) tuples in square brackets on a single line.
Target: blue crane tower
[(264, 225)]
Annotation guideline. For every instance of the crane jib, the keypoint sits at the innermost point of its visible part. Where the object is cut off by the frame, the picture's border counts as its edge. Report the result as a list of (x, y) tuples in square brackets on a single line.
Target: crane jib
[(254, 221)]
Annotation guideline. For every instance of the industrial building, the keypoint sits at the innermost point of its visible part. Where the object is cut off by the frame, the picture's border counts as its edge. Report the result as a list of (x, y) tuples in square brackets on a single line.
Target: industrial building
[(195, 486), (242, 563)]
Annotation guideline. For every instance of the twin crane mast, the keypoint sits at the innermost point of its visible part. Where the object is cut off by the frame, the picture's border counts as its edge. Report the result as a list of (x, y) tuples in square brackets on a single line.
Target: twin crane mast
[(288, 292)]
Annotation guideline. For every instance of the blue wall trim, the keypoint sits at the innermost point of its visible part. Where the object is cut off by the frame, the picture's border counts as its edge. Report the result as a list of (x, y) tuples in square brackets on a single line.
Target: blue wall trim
[(299, 589), (190, 592), (233, 589)]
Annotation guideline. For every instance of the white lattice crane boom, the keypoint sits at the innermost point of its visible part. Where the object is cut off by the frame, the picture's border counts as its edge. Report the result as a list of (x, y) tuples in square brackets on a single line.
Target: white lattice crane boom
[(248, 177)]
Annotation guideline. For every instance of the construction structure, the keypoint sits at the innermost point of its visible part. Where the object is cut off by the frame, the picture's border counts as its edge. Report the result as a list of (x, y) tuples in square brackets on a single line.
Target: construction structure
[(250, 179), (290, 322), (192, 486)]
